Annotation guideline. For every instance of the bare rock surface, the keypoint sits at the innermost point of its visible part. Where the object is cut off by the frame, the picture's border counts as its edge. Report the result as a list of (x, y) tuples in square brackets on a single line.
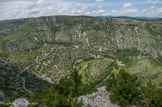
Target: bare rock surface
[(21, 102), (97, 99)]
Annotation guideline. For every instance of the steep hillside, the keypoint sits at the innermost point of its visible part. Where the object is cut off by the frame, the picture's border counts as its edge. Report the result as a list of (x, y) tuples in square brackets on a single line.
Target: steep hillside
[(49, 47), (146, 69), (15, 86), (88, 33), (10, 26)]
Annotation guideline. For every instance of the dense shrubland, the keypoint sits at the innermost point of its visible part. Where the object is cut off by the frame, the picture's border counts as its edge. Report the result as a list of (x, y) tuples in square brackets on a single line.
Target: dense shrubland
[(62, 94), (126, 90)]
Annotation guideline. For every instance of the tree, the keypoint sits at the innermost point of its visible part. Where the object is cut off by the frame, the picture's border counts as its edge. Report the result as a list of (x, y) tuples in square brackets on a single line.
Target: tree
[(62, 94), (151, 95), (124, 88), (77, 85)]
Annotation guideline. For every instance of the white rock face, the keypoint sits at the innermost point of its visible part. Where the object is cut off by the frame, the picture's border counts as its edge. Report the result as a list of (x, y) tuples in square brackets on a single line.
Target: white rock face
[(97, 99), (21, 102)]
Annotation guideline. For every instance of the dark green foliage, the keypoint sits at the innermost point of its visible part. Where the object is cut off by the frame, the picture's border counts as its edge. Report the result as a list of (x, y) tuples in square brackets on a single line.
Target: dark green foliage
[(152, 96), (124, 88), (123, 55), (61, 94), (76, 83), (160, 60), (152, 29), (11, 85), (88, 88)]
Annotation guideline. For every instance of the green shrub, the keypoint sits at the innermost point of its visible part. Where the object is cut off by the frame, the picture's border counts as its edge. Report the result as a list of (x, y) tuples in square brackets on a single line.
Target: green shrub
[(61, 94), (124, 88), (151, 95)]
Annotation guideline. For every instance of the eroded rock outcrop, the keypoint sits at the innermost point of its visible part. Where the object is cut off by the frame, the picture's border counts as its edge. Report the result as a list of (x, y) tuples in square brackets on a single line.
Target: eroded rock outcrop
[(97, 99), (21, 102)]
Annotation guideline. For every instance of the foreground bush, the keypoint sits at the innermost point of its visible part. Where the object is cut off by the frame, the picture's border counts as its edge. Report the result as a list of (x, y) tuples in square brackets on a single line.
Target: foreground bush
[(125, 89), (151, 95), (62, 94)]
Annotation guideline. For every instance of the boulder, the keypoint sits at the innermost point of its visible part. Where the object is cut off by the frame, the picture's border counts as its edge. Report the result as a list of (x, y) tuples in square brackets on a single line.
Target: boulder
[(97, 99), (21, 102)]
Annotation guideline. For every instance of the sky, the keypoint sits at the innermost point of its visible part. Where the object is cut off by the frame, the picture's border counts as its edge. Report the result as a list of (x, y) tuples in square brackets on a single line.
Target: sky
[(14, 9)]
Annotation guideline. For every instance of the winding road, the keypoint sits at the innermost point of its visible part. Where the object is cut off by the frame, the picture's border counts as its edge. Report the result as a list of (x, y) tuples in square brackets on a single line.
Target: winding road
[(22, 71), (24, 87)]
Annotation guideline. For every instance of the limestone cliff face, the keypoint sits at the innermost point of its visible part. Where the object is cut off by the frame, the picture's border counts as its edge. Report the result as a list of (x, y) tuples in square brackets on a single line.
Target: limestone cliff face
[(52, 44), (94, 34)]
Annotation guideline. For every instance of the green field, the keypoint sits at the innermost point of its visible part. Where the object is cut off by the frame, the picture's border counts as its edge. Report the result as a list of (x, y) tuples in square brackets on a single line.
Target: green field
[(84, 63), (146, 69), (84, 69)]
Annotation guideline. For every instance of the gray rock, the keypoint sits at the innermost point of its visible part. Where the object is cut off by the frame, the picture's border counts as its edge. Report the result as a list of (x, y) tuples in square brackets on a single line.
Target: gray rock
[(97, 99), (21, 102), (102, 89)]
